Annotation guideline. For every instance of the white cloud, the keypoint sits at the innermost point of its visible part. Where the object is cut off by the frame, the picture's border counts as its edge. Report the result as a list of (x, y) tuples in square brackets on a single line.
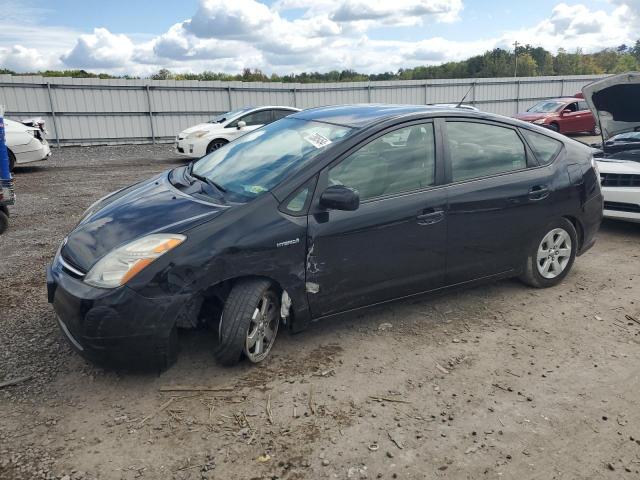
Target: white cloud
[(101, 49), (22, 59), (298, 35)]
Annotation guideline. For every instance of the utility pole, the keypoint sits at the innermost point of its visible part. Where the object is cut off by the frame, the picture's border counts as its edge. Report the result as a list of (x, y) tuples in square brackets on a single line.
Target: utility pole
[(515, 54)]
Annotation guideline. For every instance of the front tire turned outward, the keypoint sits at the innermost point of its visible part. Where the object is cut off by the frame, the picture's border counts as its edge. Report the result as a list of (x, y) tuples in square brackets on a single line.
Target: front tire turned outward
[(215, 145), (551, 255), (249, 322)]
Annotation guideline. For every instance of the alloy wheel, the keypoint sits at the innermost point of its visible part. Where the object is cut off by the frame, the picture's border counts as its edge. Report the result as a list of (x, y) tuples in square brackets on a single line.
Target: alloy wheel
[(263, 328), (554, 253)]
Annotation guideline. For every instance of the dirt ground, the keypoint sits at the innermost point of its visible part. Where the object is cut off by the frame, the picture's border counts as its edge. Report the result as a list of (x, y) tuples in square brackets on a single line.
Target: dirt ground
[(498, 381)]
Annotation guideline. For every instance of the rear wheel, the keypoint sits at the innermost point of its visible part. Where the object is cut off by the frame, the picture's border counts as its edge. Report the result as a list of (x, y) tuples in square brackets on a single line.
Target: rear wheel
[(596, 130), (216, 144), (4, 222), (551, 256), (249, 322)]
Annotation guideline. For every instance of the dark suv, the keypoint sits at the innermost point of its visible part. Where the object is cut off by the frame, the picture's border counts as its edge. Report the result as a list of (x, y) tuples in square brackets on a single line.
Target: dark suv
[(329, 210)]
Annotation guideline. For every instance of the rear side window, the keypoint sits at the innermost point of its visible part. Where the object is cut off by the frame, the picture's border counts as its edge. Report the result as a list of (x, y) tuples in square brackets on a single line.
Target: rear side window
[(478, 149), (544, 148), (583, 106), (257, 118), (400, 161)]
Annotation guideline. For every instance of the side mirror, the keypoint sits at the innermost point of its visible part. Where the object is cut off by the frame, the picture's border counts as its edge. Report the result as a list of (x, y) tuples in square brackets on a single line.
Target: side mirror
[(565, 112), (241, 124), (339, 197)]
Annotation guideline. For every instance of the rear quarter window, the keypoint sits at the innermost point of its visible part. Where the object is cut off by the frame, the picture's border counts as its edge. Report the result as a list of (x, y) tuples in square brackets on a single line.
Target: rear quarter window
[(544, 148)]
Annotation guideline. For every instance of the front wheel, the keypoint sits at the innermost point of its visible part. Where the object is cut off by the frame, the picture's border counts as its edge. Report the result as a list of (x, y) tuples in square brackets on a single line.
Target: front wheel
[(215, 145), (249, 322), (551, 256), (4, 222)]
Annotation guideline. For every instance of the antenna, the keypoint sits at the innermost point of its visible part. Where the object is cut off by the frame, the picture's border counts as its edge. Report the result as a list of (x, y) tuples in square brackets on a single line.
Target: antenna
[(465, 96)]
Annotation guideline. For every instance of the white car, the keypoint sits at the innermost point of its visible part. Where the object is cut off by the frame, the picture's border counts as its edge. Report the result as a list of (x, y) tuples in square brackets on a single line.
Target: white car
[(25, 142), (615, 104), (196, 142)]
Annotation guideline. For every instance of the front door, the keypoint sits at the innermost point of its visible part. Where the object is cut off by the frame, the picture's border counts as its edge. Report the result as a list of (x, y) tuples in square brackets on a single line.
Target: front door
[(498, 200), (252, 121), (394, 244)]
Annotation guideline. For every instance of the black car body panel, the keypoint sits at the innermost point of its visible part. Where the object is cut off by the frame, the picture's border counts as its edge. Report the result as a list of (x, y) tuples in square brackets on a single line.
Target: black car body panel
[(327, 261)]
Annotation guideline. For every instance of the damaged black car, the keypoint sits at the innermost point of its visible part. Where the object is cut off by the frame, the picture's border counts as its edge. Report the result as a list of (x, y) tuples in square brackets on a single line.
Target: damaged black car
[(324, 212)]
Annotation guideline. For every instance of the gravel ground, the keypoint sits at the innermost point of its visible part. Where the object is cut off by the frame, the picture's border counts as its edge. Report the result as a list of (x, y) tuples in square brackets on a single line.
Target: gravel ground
[(495, 381)]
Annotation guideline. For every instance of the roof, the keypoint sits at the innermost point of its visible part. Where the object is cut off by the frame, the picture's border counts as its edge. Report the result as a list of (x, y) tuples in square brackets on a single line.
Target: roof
[(362, 114)]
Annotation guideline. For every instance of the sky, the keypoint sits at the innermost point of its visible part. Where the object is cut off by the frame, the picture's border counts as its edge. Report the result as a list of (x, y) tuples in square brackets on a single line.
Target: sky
[(137, 37)]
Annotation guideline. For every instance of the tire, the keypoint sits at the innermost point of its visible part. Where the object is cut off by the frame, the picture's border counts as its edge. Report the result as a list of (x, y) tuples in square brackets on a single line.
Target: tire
[(546, 267), (554, 126), (252, 309), (4, 222), (216, 144), (596, 130), (12, 160)]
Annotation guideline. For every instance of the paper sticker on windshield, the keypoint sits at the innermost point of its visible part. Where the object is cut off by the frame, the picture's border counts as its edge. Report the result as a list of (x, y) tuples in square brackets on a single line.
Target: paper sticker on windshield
[(255, 189), (317, 140)]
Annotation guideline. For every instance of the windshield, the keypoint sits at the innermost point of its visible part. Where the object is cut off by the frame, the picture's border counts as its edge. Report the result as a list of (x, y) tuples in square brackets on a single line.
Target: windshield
[(547, 106), (627, 137), (225, 116), (260, 160)]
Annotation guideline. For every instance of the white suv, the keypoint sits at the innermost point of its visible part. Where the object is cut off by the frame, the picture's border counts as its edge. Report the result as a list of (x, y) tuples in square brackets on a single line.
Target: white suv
[(204, 138)]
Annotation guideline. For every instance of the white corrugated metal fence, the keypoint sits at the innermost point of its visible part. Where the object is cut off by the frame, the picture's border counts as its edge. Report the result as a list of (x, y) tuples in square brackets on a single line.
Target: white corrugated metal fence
[(94, 111)]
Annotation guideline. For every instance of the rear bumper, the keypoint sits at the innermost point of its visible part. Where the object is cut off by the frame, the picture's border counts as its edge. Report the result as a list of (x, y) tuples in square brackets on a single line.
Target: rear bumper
[(590, 222), (118, 327), (34, 151)]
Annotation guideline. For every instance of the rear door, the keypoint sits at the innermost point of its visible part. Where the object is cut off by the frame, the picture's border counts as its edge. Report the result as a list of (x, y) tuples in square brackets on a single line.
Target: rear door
[(497, 197), (394, 244)]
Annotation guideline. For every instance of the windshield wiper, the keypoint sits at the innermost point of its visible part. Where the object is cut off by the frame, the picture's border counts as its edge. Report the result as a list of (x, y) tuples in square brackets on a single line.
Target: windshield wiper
[(208, 181)]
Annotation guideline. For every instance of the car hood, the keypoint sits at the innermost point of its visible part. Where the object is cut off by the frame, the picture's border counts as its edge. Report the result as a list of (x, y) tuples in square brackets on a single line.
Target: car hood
[(152, 206), (615, 103), (530, 117), (210, 127)]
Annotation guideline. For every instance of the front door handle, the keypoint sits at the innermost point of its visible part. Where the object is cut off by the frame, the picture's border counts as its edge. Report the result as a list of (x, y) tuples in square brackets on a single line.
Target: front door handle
[(538, 192), (430, 216)]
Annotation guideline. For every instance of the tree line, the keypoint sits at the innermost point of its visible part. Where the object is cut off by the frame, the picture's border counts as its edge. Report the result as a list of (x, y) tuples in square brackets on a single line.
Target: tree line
[(528, 61)]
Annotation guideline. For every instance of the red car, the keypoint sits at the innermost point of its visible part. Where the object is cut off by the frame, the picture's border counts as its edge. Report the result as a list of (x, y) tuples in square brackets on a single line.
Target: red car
[(564, 115)]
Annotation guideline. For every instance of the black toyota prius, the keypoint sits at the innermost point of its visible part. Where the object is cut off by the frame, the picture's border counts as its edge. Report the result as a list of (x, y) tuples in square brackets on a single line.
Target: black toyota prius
[(326, 211)]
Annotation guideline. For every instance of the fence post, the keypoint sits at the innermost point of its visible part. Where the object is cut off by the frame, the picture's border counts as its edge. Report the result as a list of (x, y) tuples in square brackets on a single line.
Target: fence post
[(153, 133), (426, 96), (295, 100), (229, 93), (473, 92), (562, 87), (518, 98), (53, 115), (369, 92)]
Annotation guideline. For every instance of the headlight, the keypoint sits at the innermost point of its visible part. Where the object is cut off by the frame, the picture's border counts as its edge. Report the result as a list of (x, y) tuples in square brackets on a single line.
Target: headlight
[(540, 121), (197, 134), (122, 264)]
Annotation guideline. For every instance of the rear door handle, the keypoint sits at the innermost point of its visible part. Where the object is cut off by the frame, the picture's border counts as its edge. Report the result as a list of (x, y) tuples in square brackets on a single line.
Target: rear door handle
[(538, 192), (430, 216)]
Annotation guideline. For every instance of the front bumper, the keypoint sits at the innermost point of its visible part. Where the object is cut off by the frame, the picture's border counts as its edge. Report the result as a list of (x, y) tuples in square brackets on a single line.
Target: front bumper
[(622, 203), (116, 327), (190, 147)]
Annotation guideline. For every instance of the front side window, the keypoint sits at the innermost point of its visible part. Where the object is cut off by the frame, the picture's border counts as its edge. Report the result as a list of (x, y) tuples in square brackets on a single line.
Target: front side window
[(572, 107), (261, 159), (399, 161), (478, 149), (256, 118)]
